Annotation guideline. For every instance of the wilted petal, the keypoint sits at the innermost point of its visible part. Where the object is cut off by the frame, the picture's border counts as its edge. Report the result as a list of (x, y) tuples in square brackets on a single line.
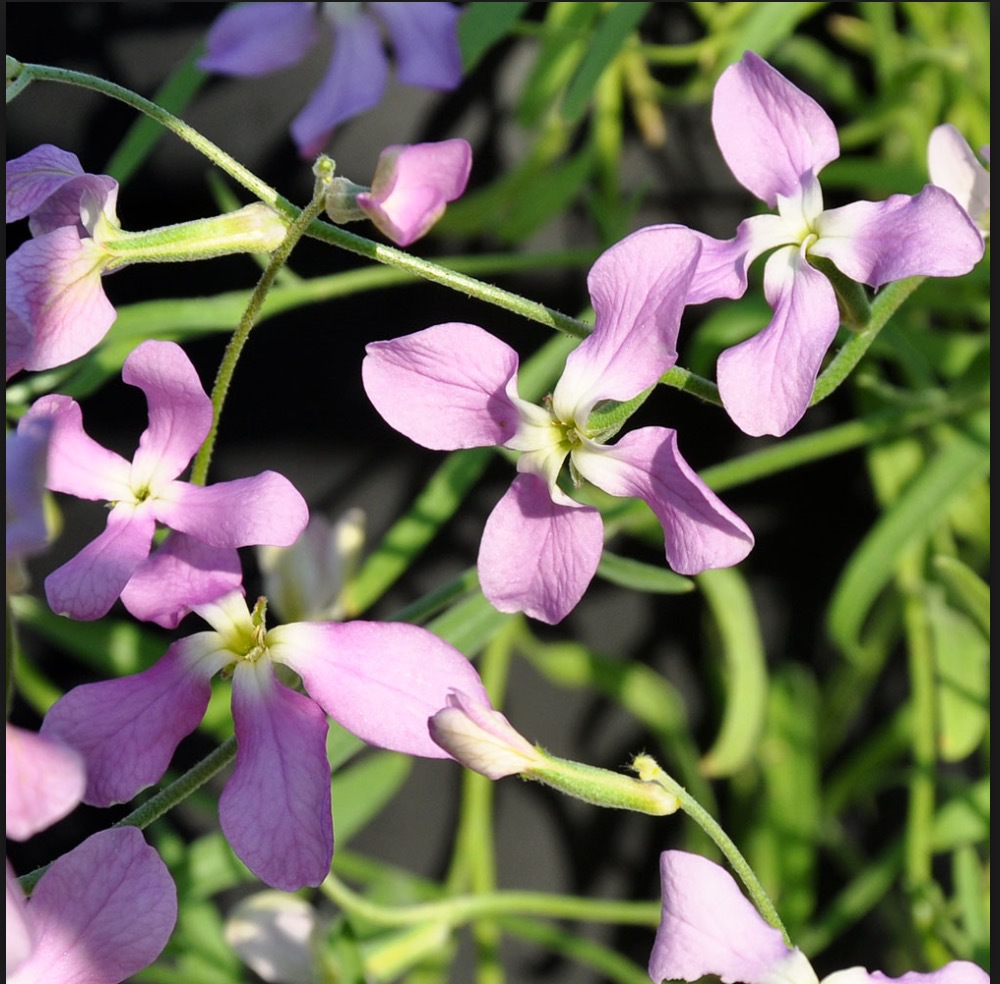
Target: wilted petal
[(954, 167), (538, 556), (767, 381), (425, 40), (444, 387), (700, 532), (275, 934), (257, 38), (275, 809), (36, 175), (381, 681), (769, 131), (101, 913)]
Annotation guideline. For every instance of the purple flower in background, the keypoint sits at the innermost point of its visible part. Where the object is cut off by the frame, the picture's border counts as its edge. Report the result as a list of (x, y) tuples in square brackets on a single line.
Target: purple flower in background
[(380, 681), (954, 167), (455, 386), (258, 38), (776, 140), (708, 927), (27, 532), (216, 519)]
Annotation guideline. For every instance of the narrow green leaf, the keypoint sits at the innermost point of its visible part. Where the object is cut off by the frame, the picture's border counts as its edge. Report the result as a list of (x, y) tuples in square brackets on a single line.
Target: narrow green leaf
[(964, 819), (470, 624), (634, 574), (483, 23), (967, 589), (361, 791)]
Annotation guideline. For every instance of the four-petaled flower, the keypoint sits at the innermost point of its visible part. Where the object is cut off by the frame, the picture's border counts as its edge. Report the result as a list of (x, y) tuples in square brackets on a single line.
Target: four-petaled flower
[(954, 167), (196, 567), (455, 386), (259, 38), (776, 140), (380, 681)]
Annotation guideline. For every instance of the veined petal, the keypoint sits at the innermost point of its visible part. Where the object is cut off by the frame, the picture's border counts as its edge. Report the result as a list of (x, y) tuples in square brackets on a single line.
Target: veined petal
[(425, 40), (954, 167), (381, 681), (101, 913), (638, 288), (127, 729), (275, 809), (19, 342), (266, 508), (707, 926), (928, 235), (537, 556), (767, 381), (76, 204), (445, 387), (258, 38), (34, 176), (769, 131), (180, 412), (700, 532)]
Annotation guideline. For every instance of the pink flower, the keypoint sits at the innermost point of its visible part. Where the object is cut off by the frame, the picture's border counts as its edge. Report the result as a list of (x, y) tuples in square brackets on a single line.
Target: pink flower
[(776, 140), (455, 386), (202, 562), (707, 926), (954, 167), (259, 38), (381, 682)]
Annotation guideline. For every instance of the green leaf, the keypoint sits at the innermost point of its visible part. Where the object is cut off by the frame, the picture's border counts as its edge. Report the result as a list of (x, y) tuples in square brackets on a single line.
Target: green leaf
[(634, 574), (361, 791), (482, 25), (966, 589), (964, 819), (469, 625)]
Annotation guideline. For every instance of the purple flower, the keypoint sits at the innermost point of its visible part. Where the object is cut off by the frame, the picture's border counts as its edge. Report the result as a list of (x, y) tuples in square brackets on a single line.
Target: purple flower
[(776, 140), (259, 38), (216, 519), (455, 386), (954, 167), (27, 532), (707, 926), (381, 682)]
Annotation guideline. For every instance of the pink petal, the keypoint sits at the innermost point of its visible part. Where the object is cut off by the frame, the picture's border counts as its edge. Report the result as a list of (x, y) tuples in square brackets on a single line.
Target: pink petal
[(20, 939), (257, 38), (35, 175), (766, 382), (381, 681), (927, 235), (445, 387), (956, 972), (707, 926), (275, 809), (769, 131), (101, 913), (639, 288), (538, 556), (425, 39), (127, 729), (954, 167), (700, 532), (45, 781)]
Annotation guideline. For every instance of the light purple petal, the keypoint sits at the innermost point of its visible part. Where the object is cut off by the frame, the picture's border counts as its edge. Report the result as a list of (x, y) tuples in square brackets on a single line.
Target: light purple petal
[(181, 573), (101, 913), (707, 926), (245, 512), (928, 235), (954, 167), (180, 412), (19, 342), (77, 204), (445, 387), (381, 681), (538, 556), (412, 185), (353, 83), (767, 381), (27, 454), (700, 532), (425, 40), (35, 175), (638, 288), (956, 972), (45, 781), (769, 131), (20, 939), (127, 729), (257, 38), (275, 809)]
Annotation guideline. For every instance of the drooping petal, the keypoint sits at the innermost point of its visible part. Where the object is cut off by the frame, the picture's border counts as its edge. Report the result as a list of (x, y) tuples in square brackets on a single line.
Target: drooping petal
[(34, 176), (353, 83), (954, 167), (266, 508), (381, 681), (425, 41), (769, 131), (27, 453), (257, 38), (638, 288), (537, 556), (928, 235), (20, 939), (444, 387), (700, 532), (101, 913), (180, 412), (767, 381), (275, 809), (127, 729), (181, 573), (707, 926)]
